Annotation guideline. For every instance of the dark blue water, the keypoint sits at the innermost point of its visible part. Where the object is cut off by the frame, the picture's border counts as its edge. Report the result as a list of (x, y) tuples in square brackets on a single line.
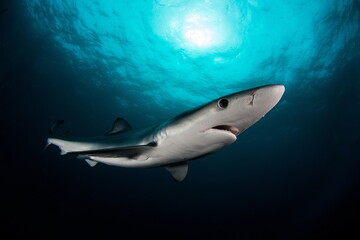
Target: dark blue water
[(293, 175)]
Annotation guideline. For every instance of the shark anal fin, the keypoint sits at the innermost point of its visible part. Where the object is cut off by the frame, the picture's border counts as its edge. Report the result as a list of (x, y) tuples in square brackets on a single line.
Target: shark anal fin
[(178, 170), (120, 125)]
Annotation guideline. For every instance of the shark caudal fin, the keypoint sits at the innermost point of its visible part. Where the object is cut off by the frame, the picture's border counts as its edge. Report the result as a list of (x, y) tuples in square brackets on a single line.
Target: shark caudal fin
[(51, 132), (55, 126)]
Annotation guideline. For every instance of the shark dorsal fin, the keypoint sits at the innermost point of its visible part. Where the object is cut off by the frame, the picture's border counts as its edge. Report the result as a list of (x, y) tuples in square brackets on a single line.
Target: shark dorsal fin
[(178, 170), (120, 125), (66, 134)]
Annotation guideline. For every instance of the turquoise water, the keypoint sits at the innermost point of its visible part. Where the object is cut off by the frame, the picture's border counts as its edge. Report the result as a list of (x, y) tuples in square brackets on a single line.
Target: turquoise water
[(187, 52)]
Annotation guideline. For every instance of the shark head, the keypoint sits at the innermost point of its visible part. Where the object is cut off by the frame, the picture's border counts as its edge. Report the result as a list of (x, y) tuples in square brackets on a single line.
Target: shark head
[(231, 115), (219, 122)]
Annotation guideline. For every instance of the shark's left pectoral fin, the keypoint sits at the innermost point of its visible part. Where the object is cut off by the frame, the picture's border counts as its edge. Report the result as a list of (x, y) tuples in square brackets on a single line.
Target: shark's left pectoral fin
[(178, 170)]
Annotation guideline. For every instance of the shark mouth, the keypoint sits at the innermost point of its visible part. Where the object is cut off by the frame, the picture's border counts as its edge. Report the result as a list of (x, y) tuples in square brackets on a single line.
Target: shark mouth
[(231, 129)]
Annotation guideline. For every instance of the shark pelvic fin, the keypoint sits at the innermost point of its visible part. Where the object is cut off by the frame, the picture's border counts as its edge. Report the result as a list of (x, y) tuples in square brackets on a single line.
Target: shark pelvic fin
[(91, 162), (120, 125), (178, 170), (86, 158)]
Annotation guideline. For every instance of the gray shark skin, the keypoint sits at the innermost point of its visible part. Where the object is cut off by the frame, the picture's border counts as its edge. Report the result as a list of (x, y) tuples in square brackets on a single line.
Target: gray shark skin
[(171, 144)]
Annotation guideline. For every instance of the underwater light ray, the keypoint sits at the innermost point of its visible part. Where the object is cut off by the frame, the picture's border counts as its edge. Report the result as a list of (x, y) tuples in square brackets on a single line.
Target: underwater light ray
[(197, 32), (200, 49)]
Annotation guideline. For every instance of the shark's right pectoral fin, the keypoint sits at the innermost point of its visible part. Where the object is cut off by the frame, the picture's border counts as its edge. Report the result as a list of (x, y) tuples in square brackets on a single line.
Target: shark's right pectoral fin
[(178, 170)]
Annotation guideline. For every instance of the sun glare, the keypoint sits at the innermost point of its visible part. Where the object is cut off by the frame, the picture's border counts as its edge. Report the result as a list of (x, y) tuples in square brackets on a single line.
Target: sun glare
[(197, 31)]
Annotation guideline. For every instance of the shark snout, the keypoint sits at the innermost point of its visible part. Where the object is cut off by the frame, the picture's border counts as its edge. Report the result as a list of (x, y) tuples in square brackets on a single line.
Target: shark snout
[(266, 97)]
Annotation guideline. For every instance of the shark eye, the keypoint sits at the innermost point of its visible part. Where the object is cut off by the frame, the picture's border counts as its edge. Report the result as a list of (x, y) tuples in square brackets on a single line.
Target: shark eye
[(223, 103)]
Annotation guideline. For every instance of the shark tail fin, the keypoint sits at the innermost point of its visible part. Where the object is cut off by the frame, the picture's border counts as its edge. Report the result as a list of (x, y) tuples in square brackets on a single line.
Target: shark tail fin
[(55, 126), (46, 145), (51, 132)]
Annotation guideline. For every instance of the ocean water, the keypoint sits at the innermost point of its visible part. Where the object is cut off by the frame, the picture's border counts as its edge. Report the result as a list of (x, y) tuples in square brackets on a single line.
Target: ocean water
[(293, 175)]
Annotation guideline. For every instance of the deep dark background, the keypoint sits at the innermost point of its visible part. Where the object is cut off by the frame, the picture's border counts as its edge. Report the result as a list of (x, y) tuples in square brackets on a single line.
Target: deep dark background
[(302, 182)]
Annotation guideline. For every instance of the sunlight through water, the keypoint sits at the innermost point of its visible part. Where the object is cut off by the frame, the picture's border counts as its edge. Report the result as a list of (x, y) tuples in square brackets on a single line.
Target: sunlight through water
[(187, 52), (197, 32)]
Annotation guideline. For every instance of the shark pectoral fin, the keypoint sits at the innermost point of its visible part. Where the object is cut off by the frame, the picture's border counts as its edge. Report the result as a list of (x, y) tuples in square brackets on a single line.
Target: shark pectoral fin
[(141, 157), (120, 125), (128, 152), (178, 170)]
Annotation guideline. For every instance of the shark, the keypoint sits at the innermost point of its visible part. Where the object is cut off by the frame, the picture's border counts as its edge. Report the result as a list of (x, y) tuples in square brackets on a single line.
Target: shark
[(173, 143)]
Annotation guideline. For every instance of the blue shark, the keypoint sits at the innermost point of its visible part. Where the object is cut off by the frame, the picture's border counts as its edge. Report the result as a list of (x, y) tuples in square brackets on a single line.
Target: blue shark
[(173, 143)]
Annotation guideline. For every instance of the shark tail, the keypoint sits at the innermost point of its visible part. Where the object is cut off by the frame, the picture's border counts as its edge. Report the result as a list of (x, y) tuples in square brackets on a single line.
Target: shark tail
[(55, 126), (51, 132)]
